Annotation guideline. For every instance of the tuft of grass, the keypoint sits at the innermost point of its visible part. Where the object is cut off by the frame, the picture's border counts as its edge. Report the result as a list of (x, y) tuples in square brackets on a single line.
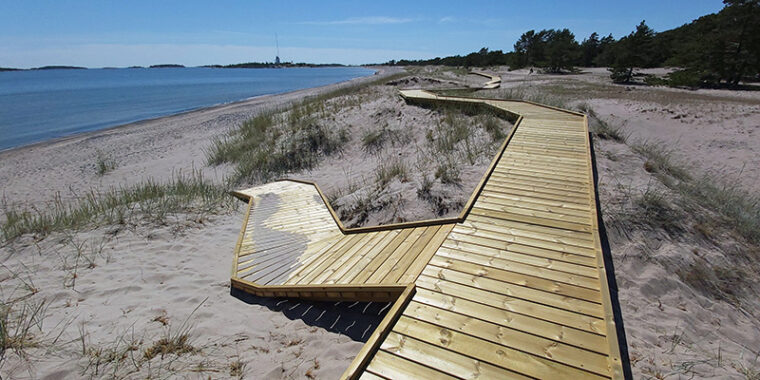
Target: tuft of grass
[(739, 208), (373, 140), (237, 369), (448, 171), (171, 344), (174, 342), (660, 161), (654, 210), (607, 131), (714, 281), (423, 191), (388, 170), (104, 163), (150, 198), (18, 323)]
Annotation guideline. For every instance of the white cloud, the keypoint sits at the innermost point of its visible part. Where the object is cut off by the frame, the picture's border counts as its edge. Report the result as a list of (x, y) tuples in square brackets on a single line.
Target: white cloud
[(374, 20), (446, 19), (120, 55)]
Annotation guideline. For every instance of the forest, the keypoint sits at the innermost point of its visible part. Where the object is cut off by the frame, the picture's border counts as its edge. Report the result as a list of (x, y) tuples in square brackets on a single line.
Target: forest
[(716, 50)]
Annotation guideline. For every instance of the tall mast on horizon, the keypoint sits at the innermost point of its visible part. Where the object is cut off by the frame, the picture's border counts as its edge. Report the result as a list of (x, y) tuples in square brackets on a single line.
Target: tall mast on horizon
[(277, 43)]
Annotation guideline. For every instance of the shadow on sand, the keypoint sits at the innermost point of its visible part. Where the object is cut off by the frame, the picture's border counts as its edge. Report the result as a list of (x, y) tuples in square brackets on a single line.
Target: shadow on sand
[(357, 320)]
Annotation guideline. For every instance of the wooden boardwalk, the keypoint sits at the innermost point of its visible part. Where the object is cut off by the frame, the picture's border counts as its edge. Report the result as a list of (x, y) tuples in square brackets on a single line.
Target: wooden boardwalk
[(515, 287)]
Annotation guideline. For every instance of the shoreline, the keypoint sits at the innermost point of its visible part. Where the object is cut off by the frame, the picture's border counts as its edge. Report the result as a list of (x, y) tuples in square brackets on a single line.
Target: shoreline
[(377, 72), (153, 148)]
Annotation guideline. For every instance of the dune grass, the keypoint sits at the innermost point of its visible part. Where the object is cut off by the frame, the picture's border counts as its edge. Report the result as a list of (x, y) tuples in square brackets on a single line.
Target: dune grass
[(150, 199), (291, 139)]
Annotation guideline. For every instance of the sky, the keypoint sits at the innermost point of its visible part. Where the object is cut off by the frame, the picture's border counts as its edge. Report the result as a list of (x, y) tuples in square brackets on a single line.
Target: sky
[(111, 33)]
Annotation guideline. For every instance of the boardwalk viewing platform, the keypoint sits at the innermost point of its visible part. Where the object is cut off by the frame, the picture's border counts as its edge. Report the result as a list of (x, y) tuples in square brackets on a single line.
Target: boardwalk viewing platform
[(514, 287)]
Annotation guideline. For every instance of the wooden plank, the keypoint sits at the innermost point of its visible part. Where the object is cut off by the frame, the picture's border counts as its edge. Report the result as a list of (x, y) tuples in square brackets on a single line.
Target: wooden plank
[(541, 177), (443, 360), (399, 267), (404, 249), (522, 280), (524, 249), (496, 196), (549, 330), (534, 217), (395, 367), (482, 258), (316, 267), (370, 376), (343, 261), (575, 305), (526, 191), (410, 275), (358, 259), (504, 256), (513, 304), (532, 345), (240, 239), (362, 271), (485, 230), (538, 206), (512, 186), (369, 349), (521, 229), (487, 351)]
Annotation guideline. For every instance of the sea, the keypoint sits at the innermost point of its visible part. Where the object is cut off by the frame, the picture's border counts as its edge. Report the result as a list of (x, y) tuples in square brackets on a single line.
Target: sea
[(39, 105)]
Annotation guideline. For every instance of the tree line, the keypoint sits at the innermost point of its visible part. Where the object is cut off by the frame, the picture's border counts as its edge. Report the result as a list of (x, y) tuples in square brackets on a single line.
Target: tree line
[(719, 49)]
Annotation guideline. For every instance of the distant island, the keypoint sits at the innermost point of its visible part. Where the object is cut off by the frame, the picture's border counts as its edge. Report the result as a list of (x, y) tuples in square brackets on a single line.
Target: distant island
[(59, 68), (264, 65), (167, 66), (246, 65)]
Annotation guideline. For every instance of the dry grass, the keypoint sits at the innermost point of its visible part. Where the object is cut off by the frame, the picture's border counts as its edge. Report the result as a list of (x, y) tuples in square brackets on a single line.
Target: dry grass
[(104, 163), (20, 326), (390, 169), (176, 344), (237, 369), (149, 199), (289, 140), (715, 281)]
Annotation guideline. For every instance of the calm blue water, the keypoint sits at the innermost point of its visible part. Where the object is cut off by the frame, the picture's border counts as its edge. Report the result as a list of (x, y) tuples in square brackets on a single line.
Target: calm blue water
[(40, 105)]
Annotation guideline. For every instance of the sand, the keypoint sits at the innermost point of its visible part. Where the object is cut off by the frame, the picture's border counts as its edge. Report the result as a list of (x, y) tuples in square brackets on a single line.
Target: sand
[(130, 280), (106, 291)]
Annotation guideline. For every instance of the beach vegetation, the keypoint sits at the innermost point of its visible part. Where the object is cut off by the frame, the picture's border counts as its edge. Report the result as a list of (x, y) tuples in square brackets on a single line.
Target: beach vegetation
[(104, 163), (390, 169), (20, 326), (282, 141), (373, 140), (149, 199)]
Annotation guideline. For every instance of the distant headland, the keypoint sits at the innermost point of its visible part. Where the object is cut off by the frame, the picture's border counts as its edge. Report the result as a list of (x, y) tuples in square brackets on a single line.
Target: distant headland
[(246, 65)]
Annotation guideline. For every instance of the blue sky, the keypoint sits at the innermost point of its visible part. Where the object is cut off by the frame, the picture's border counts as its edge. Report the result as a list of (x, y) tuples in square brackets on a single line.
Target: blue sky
[(124, 33)]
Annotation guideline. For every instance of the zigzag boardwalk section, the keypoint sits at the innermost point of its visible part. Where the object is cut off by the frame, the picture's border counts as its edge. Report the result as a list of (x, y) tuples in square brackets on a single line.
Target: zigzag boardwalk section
[(515, 287)]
